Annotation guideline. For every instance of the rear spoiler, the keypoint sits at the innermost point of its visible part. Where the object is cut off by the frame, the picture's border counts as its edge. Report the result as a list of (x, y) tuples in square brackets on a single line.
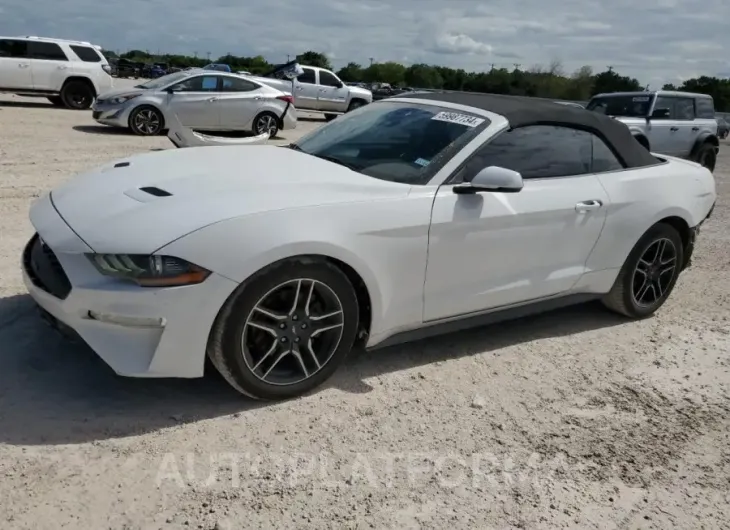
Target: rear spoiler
[(182, 136)]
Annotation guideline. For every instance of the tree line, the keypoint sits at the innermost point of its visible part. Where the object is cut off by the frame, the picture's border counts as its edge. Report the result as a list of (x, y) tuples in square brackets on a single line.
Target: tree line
[(548, 82)]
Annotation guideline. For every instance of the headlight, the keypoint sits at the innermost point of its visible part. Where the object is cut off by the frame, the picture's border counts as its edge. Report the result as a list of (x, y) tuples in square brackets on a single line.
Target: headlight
[(149, 271), (118, 100)]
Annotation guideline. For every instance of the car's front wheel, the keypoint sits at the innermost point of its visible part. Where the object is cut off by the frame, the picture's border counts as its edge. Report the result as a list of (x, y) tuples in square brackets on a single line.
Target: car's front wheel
[(146, 121), (649, 274), (286, 330), (707, 156)]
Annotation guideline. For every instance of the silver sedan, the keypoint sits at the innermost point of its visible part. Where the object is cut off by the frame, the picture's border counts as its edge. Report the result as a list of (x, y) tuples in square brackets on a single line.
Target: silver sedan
[(202, 100)]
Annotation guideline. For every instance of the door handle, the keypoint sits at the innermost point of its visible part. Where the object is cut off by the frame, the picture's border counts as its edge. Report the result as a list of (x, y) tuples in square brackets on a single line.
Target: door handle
[(259, 97), (211, 100), (695, 128), (586, 206), (62, 67), (23, 65), (674, 129), (300, 88)]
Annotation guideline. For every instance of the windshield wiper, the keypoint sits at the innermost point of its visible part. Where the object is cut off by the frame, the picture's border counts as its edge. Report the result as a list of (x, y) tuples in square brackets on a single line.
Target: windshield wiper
[(294, 146), (336, 161)]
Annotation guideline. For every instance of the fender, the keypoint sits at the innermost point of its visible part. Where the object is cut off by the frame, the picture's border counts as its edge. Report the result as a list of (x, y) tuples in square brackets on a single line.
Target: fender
[(704, 137)]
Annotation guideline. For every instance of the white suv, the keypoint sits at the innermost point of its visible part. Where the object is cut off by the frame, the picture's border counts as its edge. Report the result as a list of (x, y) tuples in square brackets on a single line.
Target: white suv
[(69, 73)]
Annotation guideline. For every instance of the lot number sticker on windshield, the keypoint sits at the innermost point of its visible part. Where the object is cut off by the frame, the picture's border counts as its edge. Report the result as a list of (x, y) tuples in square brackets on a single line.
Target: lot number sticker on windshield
[(640, 98), (457, 117)]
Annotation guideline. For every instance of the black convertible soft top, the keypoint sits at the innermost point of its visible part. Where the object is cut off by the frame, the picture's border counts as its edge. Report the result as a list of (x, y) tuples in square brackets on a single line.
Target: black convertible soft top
[(521, 111)]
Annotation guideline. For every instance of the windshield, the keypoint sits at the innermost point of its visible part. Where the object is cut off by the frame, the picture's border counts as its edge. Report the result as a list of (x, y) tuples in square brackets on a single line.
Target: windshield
[(165, 80), (394, 141), (633, 106)]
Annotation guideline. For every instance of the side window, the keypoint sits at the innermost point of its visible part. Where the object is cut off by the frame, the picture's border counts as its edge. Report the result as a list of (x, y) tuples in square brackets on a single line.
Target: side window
[(86, 54), (307, 77), (537, 151), (234, 84), (48, 51), (14, 49), (603, 157), (684, 108), (201, 83), (327, 79), (705, 108), (663, 102)]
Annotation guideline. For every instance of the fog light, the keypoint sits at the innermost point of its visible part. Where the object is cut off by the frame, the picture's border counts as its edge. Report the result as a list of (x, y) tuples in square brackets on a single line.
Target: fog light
[(129, 321)]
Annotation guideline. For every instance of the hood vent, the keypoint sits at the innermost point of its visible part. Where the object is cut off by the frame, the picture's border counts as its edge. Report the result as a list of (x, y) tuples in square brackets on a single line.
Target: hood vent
[(157, 192), (121, 164)]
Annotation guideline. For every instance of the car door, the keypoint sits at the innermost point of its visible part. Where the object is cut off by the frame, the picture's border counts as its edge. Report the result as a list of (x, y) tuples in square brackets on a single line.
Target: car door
[(490, 250), (15, 72), (195, 101), (306, 90), (49, 65), (240, 101), (663, 132), (686, 130), (332, 93)]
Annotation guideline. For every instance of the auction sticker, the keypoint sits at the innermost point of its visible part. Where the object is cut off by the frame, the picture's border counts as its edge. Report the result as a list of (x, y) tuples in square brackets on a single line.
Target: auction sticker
[(457, 117), (640, 99)]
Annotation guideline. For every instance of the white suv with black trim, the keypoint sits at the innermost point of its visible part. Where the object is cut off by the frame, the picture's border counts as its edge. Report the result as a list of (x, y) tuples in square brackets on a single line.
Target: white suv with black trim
[(69, 73)]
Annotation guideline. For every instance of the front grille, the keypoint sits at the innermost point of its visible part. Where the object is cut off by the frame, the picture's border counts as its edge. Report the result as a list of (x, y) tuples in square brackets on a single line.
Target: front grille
[(44, 269)]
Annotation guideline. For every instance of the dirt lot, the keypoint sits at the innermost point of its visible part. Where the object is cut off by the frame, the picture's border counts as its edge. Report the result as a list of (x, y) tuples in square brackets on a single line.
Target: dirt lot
[(571, 419)]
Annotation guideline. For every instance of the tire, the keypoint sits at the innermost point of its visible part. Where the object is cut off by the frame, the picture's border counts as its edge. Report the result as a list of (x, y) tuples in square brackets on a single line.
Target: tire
[(77, 95), (146, 120), (355, 104), (266, 122), (625, 295), (245, 367), (57, 101), (706, 156), (330, 117)]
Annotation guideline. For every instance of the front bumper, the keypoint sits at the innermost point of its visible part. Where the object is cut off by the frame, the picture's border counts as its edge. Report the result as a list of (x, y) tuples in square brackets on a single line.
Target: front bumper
[(113, 115), (138, 332), (694, 232)]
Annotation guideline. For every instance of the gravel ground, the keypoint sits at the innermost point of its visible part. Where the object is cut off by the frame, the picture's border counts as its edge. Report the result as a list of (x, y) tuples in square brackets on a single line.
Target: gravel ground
[(571, 419)]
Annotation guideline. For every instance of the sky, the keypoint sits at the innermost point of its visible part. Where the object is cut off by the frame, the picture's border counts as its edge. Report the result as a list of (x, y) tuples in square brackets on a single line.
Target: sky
[(656, 41)]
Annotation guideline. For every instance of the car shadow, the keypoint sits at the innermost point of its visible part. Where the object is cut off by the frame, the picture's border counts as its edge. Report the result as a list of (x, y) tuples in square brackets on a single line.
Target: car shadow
[(102, 129), (42, 103), (54, 391)]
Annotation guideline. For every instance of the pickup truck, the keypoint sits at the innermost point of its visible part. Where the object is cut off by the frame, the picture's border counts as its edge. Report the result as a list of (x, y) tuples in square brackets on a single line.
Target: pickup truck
[(320, 90)]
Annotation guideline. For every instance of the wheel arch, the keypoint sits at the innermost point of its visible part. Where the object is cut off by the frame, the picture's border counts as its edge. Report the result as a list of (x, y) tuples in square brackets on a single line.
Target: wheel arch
[(685, 233), (705, 138), (359, 275), (81, 79)]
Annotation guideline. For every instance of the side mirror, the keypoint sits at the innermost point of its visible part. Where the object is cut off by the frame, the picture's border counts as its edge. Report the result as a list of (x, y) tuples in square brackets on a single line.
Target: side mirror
[(661, 114), (340, 84), (493, 179), (173, 89)]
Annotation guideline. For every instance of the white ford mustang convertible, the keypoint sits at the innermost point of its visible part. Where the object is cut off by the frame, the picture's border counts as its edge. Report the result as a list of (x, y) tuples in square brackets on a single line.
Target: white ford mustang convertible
[(411, 216)]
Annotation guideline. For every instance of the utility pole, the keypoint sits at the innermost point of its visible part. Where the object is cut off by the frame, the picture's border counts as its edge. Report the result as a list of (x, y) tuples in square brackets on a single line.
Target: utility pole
[(208, 54), (195, 54), (371, 60), (610, 68), (491, 69), (517, 66), (288, 57)]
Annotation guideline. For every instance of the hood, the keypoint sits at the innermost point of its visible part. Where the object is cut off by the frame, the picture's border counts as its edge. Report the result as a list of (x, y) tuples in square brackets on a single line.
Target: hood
[(119, 92), (142, 203), (362, 92)]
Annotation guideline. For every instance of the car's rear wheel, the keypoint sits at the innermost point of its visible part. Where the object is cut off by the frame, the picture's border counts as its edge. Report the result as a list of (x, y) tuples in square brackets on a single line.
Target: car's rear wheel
[(649, 274), (146, 121), (56, 100), (286, 330), (266, 123), (77, 95), (707, 156)]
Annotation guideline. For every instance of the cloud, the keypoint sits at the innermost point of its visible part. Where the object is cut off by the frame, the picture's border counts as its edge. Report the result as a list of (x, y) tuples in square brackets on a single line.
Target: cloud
[(658, 41)]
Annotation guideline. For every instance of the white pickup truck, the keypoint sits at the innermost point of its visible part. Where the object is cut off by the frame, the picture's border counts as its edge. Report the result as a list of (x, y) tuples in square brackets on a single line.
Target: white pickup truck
[(320, 90)]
